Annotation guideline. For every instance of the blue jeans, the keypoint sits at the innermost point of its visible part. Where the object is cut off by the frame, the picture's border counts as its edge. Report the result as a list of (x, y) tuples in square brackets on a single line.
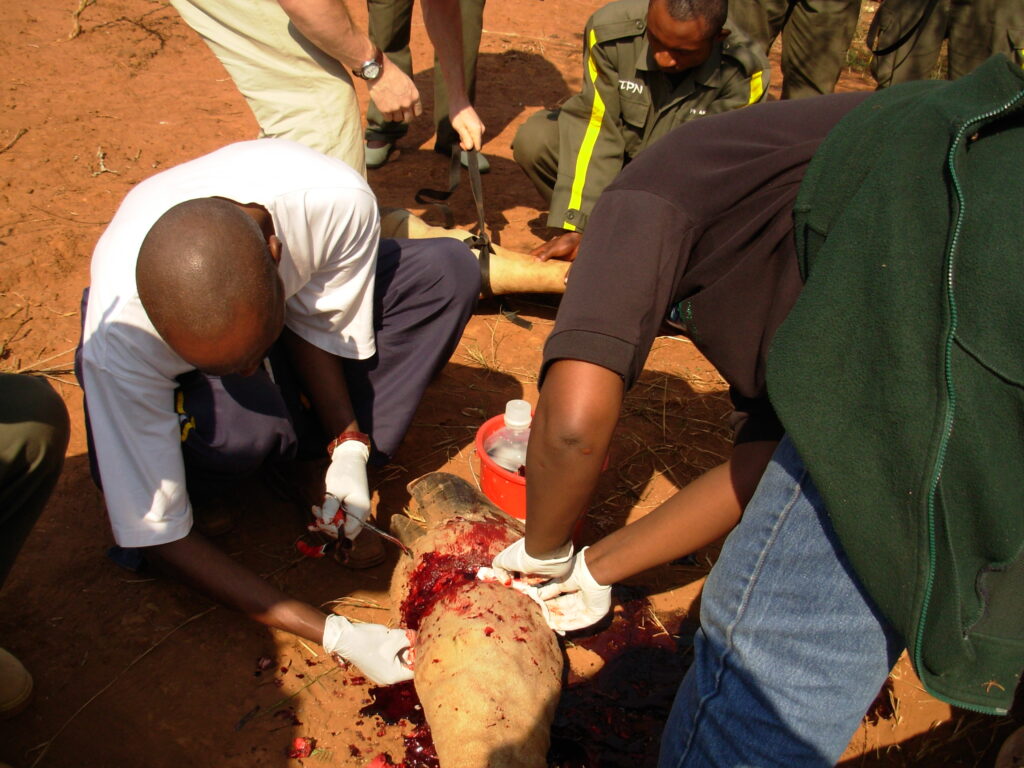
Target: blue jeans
[(791, 651)]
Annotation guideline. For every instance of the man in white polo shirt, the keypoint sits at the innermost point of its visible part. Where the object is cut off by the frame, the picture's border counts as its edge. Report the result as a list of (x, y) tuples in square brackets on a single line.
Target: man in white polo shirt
[(260, 247)]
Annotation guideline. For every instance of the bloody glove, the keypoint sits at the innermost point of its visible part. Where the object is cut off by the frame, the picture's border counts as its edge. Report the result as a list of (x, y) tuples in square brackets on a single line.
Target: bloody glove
[(347, 488)]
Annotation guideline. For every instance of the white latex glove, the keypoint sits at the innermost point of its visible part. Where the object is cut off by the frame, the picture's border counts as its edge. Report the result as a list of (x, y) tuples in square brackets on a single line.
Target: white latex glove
[(383, 655), (514, 559), (576, 600), (346, 484)]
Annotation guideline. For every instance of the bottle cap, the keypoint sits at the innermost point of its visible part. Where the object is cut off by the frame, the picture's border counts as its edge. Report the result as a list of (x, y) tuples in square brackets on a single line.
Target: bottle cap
[(517, 414)]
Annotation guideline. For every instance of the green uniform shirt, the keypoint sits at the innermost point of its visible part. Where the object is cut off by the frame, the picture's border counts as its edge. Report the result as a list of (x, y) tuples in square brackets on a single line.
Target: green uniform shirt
[(627, 103)]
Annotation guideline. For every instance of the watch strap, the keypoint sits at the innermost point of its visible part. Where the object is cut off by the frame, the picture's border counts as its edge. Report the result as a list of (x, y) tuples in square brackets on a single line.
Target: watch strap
[(378, 59)]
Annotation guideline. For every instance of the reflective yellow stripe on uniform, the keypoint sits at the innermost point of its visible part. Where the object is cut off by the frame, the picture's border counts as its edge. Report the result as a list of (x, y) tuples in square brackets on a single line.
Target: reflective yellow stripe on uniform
[(589, 138), (756, 87), (179, 407)]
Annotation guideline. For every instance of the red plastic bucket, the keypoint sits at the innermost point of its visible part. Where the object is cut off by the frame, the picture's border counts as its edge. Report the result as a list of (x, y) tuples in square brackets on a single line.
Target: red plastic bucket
[(506, 490)]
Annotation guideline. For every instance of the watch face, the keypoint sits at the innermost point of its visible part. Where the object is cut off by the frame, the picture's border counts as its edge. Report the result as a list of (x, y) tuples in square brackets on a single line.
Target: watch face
[(371, 70)]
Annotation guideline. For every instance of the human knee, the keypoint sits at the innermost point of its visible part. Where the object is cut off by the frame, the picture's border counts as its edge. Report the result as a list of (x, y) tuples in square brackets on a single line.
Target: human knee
[(448, 271), (232, 425), (458, 278), (530, 140), (38, 420)]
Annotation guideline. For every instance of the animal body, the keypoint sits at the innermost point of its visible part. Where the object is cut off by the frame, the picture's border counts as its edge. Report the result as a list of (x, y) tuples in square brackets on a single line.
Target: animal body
[(488, 668)]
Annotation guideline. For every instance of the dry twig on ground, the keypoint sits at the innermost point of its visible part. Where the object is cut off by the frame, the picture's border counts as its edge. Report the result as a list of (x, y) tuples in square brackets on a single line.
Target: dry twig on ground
[(76, 28), (21, 132)]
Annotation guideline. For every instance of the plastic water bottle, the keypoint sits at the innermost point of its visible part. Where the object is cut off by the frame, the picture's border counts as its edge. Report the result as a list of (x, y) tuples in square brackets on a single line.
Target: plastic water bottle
[(507, 446)]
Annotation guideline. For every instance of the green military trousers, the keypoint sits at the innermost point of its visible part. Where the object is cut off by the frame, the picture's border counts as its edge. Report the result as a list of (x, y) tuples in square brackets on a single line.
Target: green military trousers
[(974, 29), (33, 437), (816, 35), (390, 25), (535, 149)]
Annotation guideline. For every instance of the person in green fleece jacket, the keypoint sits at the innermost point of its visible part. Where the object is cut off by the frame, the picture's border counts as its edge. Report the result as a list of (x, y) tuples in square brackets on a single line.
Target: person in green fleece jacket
[(889, 514)]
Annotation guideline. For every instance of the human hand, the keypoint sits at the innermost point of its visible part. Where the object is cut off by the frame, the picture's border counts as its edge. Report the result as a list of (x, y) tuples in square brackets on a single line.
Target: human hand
[(384, 655), (347, 487), (563, 247), (514, 559), (575, 601), (395, 94), (468, 125)]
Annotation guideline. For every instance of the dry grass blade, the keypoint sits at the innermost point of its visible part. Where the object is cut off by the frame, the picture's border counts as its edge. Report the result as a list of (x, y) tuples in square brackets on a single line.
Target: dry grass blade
[(472, 469), (13, 336), (391, 472), (358, 602), (476, 356), (309, 650), (654, 617), (53, 369)]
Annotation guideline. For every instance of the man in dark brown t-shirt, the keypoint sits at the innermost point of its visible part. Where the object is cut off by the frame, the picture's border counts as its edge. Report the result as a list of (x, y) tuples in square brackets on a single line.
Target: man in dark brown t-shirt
[(698, 230)]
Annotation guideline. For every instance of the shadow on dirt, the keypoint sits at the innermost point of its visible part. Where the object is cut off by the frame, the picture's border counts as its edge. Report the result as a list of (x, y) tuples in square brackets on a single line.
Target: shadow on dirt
[(411, 168), (966, 740), (505, 72)]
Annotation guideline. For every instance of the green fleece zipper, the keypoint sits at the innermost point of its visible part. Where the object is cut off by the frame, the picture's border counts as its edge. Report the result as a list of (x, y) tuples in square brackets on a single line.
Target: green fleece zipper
[(940, 457)]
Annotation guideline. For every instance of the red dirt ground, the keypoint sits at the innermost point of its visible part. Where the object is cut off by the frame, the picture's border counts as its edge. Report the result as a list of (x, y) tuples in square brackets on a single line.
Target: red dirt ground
[(132, 671)]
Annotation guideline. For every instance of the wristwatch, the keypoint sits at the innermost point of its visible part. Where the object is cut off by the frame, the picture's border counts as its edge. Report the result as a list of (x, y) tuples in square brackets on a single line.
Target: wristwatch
[(370, 70)]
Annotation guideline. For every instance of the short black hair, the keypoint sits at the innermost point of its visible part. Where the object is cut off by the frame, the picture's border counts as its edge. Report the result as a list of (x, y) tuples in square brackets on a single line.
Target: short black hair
[(714, 12), (199, 264)]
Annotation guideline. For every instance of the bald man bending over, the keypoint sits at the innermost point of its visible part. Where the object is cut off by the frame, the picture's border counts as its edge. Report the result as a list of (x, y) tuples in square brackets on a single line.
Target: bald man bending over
[(223, 293)]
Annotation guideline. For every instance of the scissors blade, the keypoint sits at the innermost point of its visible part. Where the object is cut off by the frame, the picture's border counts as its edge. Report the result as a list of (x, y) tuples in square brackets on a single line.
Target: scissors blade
[(387, 537), (370, 526)]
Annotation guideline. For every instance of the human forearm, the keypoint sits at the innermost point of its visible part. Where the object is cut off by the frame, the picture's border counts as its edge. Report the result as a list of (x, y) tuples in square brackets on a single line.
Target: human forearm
[(699, 514), (323, 378), (443, 20), (329, 26), (197, 562), (375, 649), (576, 415)]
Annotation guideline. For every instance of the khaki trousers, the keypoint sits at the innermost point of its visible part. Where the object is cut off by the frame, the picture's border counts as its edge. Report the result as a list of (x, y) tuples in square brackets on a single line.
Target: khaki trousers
[(295, 90), (535, 149)]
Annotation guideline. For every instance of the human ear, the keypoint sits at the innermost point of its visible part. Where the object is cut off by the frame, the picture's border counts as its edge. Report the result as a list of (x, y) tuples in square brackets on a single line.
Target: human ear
[(274, 245)]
